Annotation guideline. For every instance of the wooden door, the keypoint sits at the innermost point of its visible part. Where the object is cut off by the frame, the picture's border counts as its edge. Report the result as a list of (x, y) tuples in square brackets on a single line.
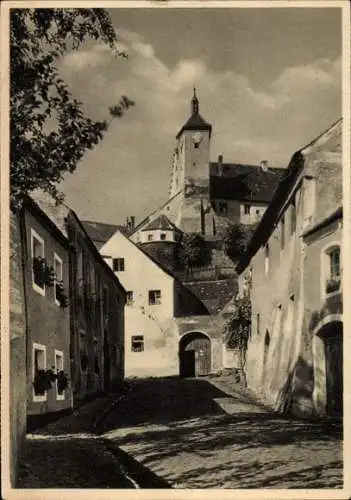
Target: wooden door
[(202, 352), (334, 375)]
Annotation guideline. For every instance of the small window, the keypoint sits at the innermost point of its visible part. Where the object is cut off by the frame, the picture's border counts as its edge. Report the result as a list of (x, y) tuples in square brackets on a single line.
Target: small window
[(154, 297), (39, 369), (137, 343), (58, 269), (60, 392), (38, 262), (333, 277), (258, 323), (163, 236), (257, 212), (247, 209), (223, 207), (130, 298), (150, 237), (118, 264), (266, 258)]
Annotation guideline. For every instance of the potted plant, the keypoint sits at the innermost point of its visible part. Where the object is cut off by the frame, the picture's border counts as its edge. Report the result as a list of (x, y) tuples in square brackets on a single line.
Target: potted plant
[(60, 294), (62, 381)]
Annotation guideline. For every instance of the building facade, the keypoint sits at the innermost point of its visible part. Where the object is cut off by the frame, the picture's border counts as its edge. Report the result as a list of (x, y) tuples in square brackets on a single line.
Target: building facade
[(155, 301), (48, 316), (286, 259), (97, 301)]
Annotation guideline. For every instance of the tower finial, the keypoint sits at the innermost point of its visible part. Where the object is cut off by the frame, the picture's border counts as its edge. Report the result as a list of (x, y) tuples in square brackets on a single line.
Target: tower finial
[(194, 104)]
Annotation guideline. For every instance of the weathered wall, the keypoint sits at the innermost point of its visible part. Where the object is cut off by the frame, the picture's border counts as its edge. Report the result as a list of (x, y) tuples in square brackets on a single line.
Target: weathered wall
[(97, 309), (270, 364), (18, 378), (281, 356)]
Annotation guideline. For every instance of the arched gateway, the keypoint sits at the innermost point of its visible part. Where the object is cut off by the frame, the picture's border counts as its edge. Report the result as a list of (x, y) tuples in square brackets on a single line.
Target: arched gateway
[(194, 355)]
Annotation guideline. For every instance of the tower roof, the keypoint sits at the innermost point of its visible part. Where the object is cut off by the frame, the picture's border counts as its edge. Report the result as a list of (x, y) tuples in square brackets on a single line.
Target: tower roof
[(195, 122), (161, 222)]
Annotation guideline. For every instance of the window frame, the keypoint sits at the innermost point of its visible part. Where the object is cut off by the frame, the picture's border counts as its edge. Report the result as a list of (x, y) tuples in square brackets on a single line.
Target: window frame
[(247, 209), (141, 340), (163, 236), (157, 300), (118, 260), (38, 398), (36, 236), (150, 237), (59, 397), (58, 259), (325, 273)]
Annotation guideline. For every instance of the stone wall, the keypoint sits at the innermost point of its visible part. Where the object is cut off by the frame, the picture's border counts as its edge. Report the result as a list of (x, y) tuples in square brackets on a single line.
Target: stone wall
[(18, 393)]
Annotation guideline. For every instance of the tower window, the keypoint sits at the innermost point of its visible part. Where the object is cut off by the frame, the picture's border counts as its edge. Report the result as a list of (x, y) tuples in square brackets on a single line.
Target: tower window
[(163, 236), (150, 237), (247, 209)]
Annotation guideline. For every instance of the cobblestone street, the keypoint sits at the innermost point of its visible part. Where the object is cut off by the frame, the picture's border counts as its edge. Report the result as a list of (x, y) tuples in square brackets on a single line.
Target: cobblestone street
[(193, 434), (182, 433)]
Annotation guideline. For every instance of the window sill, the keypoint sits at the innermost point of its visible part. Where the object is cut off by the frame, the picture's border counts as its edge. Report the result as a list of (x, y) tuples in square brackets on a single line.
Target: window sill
[(39, 398), (38, 289)]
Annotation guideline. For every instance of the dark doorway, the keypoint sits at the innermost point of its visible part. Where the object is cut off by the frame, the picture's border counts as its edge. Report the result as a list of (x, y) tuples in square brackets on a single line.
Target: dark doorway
[(194, 355), (333, 345)]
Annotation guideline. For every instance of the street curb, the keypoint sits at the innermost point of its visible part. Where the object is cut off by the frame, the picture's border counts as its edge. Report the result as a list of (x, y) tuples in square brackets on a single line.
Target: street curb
[(98, 425), (135, 471)]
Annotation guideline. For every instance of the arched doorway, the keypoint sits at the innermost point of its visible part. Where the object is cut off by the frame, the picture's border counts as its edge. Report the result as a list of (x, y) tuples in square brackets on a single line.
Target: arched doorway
[(194, 355), (332, 336)]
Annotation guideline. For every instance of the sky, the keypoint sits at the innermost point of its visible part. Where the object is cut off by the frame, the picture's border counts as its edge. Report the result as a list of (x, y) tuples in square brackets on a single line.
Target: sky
[(268, 80)]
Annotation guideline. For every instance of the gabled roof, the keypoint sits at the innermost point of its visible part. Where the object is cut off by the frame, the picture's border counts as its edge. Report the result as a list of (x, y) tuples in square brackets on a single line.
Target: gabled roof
[(195, 122), (161, 222), (236, 181), (100, 232), (160, 266)]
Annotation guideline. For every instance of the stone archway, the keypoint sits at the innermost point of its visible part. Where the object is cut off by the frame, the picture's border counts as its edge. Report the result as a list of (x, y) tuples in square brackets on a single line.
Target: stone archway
[(194, 355), (328, 368)]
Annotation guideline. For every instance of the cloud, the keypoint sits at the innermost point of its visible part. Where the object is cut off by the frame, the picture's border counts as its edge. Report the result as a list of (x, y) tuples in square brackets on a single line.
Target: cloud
[(249, 123)]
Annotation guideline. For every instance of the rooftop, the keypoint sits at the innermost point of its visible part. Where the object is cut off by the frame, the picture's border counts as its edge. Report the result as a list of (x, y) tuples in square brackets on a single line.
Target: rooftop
[(236, 181), (100, 232)]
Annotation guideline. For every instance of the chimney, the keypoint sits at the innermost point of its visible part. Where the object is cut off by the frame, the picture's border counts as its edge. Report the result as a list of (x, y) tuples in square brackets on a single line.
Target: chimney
[(132, 222), (264, 165), (220, 165)]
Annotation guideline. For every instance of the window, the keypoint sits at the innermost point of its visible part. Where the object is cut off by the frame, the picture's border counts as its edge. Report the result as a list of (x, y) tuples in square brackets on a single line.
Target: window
[(258, 323), (266, 258), (130, 298), (58, 269), (163, 236), (118, 264), (282, 233), (223, 207), (154, 297), (37, 247), (137, 343), (247, 209), (150, 237), (39, 368), (332, 270), (293, 216), (60, 392)]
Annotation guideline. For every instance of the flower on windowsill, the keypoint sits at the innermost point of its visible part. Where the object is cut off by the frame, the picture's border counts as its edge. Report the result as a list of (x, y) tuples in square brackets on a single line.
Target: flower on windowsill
[(332, 285), (60, 294), (62, 381), (44, 275)]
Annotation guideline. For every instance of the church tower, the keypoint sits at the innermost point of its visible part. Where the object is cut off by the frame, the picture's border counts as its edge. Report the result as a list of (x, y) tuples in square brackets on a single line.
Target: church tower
[(190, 172)]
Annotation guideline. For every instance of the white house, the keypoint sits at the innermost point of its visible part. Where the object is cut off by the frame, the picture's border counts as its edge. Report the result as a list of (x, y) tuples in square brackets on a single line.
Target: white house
[(154, 299)]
